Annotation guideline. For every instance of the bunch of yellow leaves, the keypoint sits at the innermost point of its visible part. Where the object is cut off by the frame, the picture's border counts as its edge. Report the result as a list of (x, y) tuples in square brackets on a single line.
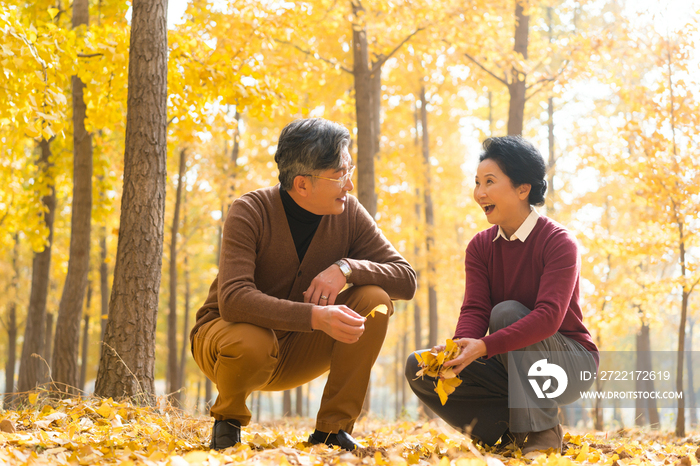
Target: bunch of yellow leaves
[(432, 365)]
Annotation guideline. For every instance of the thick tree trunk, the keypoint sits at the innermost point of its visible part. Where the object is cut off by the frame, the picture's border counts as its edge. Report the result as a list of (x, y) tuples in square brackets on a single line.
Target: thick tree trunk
[(65, 369), (430, 226), (363, 113), (128, 356), (11, 327), (172, 373), (516, 86), (31, 368)]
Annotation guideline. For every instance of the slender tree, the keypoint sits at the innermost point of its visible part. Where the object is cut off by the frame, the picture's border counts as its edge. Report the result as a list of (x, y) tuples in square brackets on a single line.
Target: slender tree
[(128, 353), (173, 364), (64, 364), (31, 368)]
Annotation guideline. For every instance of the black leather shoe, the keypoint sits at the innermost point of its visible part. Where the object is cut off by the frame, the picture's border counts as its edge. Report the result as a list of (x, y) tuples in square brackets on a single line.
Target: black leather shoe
[(225, 434), (342, 439)]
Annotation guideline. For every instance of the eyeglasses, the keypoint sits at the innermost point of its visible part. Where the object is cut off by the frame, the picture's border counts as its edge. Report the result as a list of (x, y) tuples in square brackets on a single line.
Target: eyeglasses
[(342, 180)]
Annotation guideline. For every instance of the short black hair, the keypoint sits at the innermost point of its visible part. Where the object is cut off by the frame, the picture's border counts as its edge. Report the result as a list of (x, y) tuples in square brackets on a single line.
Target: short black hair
[(309, 145), (520, 160)]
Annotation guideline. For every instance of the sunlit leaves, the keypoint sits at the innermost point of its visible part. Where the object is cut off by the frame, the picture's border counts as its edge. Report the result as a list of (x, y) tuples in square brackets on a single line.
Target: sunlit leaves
[(432, 365)]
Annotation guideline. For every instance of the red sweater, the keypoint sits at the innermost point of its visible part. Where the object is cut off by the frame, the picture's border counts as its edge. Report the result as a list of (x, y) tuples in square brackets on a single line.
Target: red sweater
[(542, 274)]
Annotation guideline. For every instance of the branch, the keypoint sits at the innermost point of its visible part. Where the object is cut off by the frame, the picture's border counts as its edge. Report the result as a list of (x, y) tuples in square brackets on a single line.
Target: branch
[(382, 59), (315, 55), (546, 80), (90, 55), (694, 285)]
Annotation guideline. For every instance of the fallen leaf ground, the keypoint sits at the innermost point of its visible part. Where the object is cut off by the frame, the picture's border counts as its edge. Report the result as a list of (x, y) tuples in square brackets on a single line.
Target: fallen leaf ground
[(93, 431)]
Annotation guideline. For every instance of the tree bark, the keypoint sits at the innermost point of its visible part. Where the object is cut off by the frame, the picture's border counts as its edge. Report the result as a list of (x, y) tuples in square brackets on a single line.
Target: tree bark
[(646, 410), (552, 159), (173, 364), (104, 283), (287, 403), (516, 86), (128, 355), (11, 327), (430, 226), (185, 327), (65, 369), (691, 374), (84, 353), (48, 343), (363, 113), (31, 368), (299, 401)]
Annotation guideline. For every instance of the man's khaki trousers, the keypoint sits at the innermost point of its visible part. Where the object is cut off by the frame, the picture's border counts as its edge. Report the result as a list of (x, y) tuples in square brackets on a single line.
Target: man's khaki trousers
[(241, 358)]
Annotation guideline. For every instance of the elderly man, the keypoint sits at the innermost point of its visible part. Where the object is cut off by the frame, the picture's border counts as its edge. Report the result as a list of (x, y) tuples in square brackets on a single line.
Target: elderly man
[(302, 265)]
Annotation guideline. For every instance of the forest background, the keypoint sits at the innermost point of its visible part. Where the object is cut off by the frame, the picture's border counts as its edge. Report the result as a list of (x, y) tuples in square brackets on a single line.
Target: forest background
[(608, 90)]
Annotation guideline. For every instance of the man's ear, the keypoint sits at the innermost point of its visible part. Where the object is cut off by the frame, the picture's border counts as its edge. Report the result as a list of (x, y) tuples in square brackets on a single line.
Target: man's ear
[(301, 185), (524, 191)]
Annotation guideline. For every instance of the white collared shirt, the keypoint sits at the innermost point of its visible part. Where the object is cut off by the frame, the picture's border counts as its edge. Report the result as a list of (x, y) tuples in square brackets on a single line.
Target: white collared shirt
[(525, 229)]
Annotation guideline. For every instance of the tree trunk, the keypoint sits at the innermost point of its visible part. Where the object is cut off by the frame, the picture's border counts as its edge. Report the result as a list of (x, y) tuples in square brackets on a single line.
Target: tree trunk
[(363, 113), (65, 370), (646, 410), (299, 401), (84, 354), (430, 226), (31, 368), (104, 283), (680, 419), (552, 159), (128, 356), (516, 86), (185, 328), (48, 344), (287, 403), (11, 327), (173, 365), (691, 374)]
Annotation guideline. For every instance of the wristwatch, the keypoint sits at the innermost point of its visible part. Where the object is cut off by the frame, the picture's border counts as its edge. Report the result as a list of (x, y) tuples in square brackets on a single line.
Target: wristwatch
[(344, 267)]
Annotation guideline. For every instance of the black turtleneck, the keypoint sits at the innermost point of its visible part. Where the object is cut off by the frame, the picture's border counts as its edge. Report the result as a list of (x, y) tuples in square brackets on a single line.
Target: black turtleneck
[(302, 223)]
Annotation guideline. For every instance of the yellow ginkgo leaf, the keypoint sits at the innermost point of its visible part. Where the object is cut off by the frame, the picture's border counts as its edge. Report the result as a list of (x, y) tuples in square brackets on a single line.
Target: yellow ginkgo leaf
[(381, 309), (440, 390), (33, 397)]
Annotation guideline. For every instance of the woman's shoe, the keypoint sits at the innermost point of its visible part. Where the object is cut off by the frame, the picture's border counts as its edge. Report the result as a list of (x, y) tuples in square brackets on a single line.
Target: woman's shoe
[(544, 440)]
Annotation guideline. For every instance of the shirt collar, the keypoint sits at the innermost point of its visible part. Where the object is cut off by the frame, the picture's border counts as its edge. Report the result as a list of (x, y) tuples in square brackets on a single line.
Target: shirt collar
[(525, 229)]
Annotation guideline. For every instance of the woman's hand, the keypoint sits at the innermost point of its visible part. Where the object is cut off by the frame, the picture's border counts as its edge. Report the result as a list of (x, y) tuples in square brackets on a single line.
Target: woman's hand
[(471, 350)]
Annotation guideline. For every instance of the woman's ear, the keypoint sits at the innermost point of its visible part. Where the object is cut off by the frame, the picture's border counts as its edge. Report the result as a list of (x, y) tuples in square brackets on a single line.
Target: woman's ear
[(524, 191)]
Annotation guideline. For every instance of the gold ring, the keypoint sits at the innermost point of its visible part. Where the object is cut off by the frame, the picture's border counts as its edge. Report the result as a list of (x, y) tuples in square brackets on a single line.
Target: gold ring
[(324, 297)]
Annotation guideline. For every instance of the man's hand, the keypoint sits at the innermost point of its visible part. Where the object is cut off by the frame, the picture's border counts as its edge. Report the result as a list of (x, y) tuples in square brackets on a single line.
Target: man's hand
[(340, 322), (471, 351), (325, 287)]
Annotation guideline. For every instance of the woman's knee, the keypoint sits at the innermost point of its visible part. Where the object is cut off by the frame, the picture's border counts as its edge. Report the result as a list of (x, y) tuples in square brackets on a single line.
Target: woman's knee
[(506, 313)]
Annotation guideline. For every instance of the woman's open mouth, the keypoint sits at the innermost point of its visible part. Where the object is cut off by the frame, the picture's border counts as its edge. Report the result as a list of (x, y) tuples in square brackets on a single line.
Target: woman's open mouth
[(488, 208)]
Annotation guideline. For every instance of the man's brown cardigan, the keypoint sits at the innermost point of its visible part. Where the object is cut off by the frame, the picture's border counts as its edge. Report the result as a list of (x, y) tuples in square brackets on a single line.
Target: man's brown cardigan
[(260, 279)]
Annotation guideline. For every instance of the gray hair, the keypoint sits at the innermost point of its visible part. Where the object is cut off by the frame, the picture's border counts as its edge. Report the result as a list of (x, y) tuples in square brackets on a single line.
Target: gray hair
[(310, 145)]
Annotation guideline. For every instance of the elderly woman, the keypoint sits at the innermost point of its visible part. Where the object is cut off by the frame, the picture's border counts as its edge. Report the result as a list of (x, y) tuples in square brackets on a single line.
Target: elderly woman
[(522, 286)]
